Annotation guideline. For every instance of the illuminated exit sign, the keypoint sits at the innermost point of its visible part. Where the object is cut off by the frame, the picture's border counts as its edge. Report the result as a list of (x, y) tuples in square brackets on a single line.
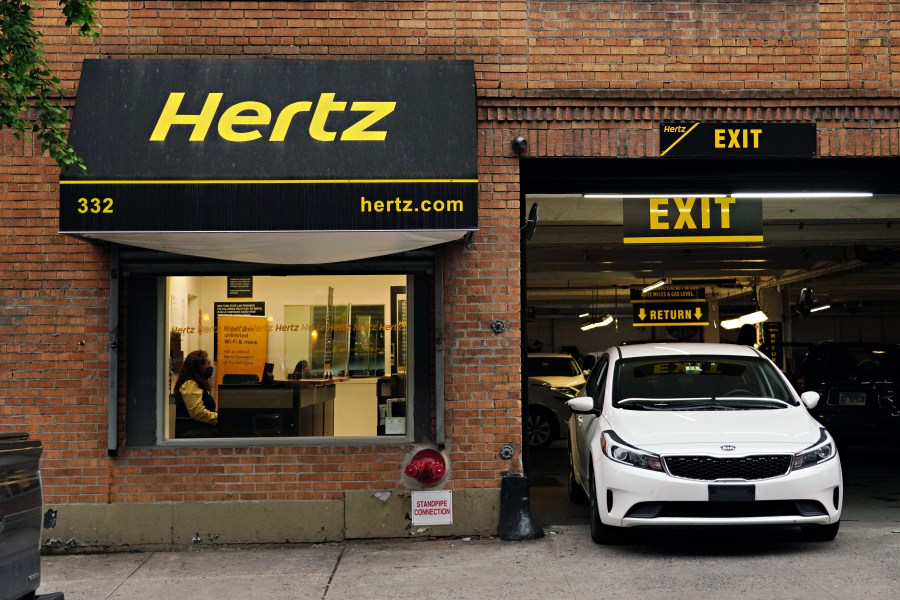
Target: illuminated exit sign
[(692, 220)]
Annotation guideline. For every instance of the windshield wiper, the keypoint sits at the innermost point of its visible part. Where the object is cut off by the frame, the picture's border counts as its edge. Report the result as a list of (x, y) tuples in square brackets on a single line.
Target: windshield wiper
[(664, 403), (705, 403), (752, 402)]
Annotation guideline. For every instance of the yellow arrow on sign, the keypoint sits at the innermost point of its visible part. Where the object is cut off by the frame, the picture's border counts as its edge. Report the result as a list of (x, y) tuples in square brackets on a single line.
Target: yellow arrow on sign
[(699, 312), (642, 314)]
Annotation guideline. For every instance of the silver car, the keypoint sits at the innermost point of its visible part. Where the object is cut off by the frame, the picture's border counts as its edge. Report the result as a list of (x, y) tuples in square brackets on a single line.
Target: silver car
[(553, 379)]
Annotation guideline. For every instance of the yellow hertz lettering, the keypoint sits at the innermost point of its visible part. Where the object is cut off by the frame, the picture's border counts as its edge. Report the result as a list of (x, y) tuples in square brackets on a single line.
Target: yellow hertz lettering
[(252, 117), (741, 139), (674, 128), (659, 212), (400, 205)]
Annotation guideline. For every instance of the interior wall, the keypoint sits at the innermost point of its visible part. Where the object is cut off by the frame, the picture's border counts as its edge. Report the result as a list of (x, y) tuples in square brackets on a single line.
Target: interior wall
[(277, 293)]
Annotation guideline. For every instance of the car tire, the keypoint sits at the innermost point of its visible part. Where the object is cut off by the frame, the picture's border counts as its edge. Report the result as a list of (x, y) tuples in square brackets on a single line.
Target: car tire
[(600, 532), (820, 533), (542, 430)]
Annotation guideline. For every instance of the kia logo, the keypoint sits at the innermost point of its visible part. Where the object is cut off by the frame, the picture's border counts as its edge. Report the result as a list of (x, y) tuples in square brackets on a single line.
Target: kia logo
[(727, 447)]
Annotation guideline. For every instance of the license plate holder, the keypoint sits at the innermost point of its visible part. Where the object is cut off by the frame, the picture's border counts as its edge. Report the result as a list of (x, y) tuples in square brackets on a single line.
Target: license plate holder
[(732, 493), (851, 399)]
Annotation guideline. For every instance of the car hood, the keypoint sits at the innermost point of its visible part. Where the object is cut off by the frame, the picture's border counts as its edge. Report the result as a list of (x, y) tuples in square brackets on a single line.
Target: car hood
[(576, 381), (787, 429)]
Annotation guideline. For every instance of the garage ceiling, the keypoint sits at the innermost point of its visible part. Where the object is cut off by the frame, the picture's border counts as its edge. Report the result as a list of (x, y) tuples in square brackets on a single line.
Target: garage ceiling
[(846, 250)]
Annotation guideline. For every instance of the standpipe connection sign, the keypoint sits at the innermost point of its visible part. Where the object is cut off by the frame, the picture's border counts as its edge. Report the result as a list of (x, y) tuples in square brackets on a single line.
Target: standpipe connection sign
[(273, 145), (670, 306)]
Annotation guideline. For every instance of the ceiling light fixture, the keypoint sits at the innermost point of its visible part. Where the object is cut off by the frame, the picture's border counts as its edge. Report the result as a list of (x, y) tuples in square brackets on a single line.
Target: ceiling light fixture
[(789, 195), (818, 308), (748, 319), (583, 315), (770, 195), (597, 322), (657, 195), (656, 284)]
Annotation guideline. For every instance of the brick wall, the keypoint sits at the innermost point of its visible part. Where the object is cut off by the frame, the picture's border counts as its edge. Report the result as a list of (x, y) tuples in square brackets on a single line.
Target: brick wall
[(578, 78)]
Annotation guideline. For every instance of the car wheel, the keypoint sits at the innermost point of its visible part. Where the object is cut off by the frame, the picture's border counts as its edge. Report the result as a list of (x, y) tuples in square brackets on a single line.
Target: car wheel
[(541, 428), (600, 532), (576, 492), (819, 533)]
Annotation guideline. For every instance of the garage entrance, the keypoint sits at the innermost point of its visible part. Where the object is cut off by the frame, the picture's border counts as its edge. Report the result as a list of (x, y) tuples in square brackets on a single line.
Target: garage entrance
[(826, 267)]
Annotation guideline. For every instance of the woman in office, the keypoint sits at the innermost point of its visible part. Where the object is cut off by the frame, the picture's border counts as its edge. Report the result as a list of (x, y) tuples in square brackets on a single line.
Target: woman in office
[(195, 408), (302, 370)]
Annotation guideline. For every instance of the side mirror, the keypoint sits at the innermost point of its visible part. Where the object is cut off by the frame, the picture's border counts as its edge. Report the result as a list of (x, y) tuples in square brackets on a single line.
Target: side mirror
[(810, 399), (582, 405)]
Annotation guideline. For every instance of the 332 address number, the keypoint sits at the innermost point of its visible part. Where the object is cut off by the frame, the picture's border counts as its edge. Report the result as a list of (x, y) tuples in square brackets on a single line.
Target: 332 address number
[(95, 205)]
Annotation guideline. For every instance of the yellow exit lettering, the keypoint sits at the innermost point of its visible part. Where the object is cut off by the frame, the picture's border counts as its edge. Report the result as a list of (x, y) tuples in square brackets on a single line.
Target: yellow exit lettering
[(737, 138), (659, 212)]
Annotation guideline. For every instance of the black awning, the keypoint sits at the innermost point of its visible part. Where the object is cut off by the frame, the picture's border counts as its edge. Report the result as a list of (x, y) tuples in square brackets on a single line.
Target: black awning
[(276, 161)]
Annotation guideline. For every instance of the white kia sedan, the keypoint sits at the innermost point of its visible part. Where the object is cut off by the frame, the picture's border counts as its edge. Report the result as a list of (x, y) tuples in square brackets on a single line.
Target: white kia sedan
[(699, 435)]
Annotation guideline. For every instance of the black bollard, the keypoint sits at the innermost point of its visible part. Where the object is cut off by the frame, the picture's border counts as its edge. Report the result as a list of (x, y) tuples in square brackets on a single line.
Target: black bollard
[(515, 510)]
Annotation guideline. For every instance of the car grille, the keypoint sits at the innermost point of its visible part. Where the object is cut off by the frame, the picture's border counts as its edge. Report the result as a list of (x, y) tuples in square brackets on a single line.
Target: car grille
[(727, 510), (711, 468)]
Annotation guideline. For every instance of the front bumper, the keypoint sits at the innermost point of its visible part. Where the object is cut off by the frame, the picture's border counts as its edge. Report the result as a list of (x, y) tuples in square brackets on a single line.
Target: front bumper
[(634, 497)]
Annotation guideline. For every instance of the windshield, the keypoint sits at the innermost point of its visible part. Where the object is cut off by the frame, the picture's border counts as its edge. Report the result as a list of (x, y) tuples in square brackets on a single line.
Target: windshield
[(553, 366), (699, 383)]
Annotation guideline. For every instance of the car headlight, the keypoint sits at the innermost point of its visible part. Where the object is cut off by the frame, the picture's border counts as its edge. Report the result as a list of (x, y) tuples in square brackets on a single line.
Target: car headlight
[(821, 452), (616, 449)]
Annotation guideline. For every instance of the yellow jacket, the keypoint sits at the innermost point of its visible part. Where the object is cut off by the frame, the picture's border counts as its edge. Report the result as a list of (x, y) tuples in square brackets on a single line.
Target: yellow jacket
[(193, 400)]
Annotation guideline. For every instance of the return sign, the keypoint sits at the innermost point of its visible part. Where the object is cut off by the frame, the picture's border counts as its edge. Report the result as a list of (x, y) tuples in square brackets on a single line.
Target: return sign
[(652, 314)]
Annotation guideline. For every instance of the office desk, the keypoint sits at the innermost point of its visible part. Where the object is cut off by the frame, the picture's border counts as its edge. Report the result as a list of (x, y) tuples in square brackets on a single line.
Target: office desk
[(316, 406), (285, 408)]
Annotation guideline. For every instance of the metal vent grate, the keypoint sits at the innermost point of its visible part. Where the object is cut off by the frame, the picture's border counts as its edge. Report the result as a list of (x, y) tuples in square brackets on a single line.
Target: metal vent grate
[(711, 468)]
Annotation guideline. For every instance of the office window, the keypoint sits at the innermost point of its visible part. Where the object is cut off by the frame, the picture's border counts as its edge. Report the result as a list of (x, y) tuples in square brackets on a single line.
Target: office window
[(291, 357)]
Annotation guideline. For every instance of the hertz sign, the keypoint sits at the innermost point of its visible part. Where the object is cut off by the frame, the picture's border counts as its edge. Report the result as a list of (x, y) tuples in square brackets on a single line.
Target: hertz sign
[(737, 140), (264, 145)]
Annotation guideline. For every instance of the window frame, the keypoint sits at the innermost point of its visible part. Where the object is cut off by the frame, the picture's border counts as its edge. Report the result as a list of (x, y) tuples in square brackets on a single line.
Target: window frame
[(144, 301)]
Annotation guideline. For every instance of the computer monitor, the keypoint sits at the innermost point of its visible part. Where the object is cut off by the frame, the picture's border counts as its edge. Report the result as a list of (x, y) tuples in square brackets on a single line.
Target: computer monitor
[(268, 374)]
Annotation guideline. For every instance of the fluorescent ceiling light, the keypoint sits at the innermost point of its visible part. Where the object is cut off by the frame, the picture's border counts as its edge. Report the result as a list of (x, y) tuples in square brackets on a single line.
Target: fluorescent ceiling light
[(656, 284), (583, 315), (598, 322), (818, 308), (770, 195), (658, 195), (801, 195), (750, 319)]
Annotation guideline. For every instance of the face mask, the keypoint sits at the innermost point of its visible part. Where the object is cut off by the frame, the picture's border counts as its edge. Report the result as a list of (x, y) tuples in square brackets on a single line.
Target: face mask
[(207, 372)]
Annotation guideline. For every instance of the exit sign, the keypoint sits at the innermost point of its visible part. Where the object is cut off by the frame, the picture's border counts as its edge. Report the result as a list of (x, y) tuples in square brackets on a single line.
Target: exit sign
[(737, 140)]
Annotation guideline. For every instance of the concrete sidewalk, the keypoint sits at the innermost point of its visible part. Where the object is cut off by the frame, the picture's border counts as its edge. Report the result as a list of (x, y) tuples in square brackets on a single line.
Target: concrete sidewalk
[(863, 563)]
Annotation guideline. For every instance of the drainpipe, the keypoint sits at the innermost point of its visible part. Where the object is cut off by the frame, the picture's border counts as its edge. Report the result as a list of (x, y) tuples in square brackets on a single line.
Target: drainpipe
[(112, 419), (439, 378)]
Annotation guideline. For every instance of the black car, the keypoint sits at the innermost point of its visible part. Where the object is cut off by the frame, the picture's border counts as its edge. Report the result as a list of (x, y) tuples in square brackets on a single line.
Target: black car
[(858, 385)]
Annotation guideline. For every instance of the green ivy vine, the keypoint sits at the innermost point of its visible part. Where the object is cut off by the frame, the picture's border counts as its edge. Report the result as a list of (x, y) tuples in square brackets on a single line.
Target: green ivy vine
[(26, 82)]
